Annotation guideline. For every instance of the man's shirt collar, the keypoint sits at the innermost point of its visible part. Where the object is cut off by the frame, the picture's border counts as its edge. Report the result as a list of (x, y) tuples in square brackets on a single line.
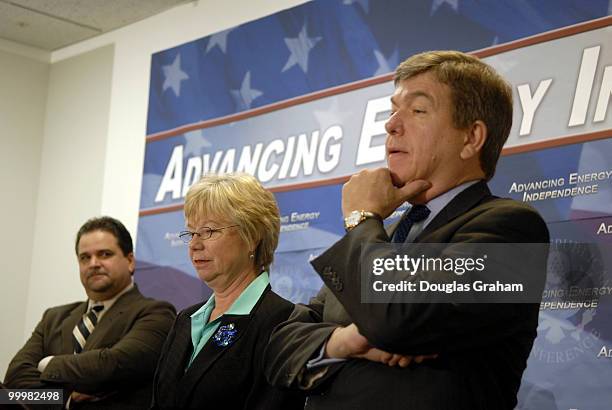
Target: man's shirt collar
[(109, 302)]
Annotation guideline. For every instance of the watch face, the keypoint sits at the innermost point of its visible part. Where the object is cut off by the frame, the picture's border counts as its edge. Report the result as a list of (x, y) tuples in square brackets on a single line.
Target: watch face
[(353, 219)]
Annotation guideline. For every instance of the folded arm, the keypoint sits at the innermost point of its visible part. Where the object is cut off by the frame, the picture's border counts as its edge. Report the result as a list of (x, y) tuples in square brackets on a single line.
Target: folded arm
[(133, 357), (429, 328)]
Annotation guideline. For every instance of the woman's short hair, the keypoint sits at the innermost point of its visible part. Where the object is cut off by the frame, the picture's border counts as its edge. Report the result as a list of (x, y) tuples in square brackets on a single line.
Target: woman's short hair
[(244, 201)]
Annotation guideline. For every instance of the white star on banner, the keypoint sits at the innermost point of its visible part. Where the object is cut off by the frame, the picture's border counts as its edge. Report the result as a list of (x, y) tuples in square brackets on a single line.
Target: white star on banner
[(385, 65), (194, 142), (245, 95), (174, 75), (454, 4), (300, 47), (365, 4), (218, 39)]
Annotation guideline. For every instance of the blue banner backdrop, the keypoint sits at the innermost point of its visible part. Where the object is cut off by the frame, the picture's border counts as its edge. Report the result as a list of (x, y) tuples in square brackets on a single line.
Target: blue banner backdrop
[(298, 99)]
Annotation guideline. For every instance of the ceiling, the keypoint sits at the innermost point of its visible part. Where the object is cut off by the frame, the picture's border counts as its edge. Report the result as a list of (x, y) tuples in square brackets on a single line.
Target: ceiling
[(53, 24)]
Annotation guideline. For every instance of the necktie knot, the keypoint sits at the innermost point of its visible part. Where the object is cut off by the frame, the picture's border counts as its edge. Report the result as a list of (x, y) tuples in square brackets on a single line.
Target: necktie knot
[(416, 214)]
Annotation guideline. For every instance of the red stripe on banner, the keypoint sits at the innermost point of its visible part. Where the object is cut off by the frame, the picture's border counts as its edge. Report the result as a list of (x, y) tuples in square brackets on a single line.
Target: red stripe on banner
[(558, 142), (544, 37), (317, 95), (160, 210)]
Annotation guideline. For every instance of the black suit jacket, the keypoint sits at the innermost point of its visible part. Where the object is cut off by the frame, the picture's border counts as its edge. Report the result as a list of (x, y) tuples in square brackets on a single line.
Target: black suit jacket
[(229, 377), (482, 349), (118, 360)]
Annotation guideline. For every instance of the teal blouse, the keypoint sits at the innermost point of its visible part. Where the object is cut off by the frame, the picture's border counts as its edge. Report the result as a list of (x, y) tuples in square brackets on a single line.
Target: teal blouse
[(202, 330)]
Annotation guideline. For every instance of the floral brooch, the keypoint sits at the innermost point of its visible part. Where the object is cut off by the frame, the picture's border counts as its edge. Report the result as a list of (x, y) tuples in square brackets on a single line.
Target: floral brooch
[(225, 335)]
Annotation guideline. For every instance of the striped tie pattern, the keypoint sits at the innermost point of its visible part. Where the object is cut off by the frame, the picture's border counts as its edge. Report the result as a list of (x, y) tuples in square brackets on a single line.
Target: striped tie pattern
[(416, 214), (85, 327)]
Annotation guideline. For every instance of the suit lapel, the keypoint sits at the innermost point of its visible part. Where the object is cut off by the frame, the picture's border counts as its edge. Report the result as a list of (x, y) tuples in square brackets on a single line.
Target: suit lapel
[(212, 352), (176, 357), (68, 325), (459, 205), (105, 332)]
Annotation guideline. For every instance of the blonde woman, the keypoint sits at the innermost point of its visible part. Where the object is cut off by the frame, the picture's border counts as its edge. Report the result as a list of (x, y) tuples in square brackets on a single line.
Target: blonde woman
[(213, 355)]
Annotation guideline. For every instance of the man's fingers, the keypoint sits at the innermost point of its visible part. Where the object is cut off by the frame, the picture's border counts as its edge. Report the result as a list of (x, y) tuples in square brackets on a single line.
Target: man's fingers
[(395, 360), (77, 397), (412, 189), (419, 359), (405, 361), (385, 357)]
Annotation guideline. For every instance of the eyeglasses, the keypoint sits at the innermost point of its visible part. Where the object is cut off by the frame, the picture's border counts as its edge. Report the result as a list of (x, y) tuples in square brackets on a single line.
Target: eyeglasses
[(205, 233)]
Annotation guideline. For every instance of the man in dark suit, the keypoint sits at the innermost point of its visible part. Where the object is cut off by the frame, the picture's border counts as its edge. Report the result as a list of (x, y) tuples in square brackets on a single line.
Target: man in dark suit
[(103, 351), (451, 114)]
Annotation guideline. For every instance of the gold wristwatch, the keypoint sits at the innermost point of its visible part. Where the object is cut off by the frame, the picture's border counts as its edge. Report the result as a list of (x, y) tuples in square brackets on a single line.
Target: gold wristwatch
[(357, 217)]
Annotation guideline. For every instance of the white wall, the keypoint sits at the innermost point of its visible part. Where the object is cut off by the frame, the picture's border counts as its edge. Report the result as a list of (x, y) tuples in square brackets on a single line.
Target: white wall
[(71, 175), (23, 90), (93, 145)]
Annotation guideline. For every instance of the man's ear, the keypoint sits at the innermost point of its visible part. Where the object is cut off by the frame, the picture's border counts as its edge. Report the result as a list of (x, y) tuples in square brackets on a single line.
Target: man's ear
[(474, 138), (131, 262)]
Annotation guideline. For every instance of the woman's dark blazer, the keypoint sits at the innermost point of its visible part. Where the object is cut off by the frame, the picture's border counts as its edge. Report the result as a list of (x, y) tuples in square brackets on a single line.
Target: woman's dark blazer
[(229, 377)]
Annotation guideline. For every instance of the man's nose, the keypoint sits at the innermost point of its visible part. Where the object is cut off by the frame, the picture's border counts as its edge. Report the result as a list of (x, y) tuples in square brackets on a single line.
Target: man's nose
[(393, 125), (94, 261)]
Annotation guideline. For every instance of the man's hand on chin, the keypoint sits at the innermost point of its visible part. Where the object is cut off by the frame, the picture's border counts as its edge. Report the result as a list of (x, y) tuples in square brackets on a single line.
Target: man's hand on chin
[(347, 342), (373, 190)]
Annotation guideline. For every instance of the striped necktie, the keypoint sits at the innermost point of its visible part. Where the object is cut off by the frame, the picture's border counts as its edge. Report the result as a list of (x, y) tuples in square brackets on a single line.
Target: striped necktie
[(416, 214), (85, 327)]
